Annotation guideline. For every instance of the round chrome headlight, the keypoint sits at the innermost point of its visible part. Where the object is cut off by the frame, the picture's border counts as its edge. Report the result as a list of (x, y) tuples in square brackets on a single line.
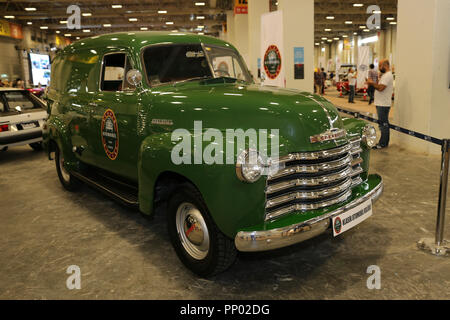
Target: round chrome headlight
[(249, 166), (369, 136)]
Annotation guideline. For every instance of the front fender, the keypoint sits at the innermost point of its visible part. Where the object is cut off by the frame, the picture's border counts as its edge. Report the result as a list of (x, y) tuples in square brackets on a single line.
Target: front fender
[(233, 204)]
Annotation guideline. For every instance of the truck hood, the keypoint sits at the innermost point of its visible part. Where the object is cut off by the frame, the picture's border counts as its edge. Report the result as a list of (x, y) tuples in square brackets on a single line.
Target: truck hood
[(297, 115)]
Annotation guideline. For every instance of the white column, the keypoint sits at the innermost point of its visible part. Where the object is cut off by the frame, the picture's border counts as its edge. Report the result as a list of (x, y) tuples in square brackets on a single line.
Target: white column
[(230, 27), (255, 9), (298, 23), (422, 72), (241, 35)]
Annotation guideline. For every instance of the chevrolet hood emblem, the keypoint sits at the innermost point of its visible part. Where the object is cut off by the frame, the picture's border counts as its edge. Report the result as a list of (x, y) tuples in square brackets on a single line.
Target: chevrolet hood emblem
[(331, 134)]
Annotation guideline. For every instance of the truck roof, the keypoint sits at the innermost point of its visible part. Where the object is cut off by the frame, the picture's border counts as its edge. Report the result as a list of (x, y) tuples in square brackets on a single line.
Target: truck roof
[(139, 39)]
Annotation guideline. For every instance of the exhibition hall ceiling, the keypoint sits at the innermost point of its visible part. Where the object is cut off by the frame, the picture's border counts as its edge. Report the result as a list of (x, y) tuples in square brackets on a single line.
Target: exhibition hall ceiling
[(332, 17), (337, 18)]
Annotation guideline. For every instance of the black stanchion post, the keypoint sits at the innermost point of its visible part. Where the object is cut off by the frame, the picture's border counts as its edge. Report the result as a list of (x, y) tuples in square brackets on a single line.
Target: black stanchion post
[(442, 193), (440, 246)]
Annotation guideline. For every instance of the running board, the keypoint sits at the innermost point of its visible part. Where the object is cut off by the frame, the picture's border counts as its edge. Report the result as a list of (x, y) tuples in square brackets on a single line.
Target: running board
[(120, 191)]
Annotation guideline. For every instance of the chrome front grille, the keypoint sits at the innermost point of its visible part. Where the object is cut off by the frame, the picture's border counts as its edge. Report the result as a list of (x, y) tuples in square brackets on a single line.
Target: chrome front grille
[(313, 180)]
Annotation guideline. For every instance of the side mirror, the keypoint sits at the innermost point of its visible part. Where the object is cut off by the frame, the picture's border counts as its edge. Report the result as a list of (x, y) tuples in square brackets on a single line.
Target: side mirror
[(134, 77), (18, 109)]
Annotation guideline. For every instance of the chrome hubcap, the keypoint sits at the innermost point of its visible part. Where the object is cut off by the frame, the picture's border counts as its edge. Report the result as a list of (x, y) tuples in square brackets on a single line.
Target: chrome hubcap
[(192, 231), (65, 174)]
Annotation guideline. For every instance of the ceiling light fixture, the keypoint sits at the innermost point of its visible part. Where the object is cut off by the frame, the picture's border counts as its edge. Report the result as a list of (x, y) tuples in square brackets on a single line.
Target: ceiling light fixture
[(162, 11), (390, 18), (169, 22), (116, 6), (86, 14), (9, 17), (132, 19), (144, 28), (327, 30), (366, 30), (345, 36), (44, 27), (199, 4), (29, 23), (362, 27), (358, 5), (67, 35), (63, 22), (107, 25), (330, 18), (393, 22), (348, 22), (86, 30), (30, 9), (200, 17), (57, 31)]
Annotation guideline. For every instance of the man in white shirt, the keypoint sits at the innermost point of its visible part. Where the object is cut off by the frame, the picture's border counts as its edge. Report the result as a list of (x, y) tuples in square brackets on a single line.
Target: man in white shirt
[(351, 84), (383, 100)]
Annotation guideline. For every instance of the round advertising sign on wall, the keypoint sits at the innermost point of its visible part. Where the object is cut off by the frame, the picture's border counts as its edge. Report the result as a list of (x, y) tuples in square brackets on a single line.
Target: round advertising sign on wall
[(272, 62), (110, 134)]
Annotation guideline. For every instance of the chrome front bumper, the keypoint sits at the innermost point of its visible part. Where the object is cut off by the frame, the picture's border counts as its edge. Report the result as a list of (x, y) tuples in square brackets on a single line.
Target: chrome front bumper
[(250, 241)]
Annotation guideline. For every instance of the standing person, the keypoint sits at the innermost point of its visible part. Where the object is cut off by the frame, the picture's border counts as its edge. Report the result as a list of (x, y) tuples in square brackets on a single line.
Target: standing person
[(373, 76), (383, 101), (324, 78), (318, 82), (351, 84)]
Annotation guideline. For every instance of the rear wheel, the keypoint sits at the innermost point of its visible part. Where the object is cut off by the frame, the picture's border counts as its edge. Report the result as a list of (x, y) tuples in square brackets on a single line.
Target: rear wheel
[(36, 146), (68, 181), (199, 244)]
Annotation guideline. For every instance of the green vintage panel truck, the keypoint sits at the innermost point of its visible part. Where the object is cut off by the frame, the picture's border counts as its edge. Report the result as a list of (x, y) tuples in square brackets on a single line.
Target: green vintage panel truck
[(145, 117)]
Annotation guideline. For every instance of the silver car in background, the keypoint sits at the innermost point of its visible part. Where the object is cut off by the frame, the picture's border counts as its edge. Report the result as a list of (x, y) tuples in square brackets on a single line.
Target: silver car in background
[(22, 116)]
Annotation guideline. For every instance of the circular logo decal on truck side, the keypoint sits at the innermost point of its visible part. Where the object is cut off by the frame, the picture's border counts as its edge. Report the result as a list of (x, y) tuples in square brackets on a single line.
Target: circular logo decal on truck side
[(110, 134), (272, 62)]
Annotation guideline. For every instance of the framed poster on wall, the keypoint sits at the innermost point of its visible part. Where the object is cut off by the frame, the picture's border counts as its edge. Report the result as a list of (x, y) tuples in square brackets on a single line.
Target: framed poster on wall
[(299, 63)]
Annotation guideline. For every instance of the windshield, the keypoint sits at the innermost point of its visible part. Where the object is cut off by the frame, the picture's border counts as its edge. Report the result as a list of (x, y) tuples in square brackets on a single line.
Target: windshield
[(182, 62)]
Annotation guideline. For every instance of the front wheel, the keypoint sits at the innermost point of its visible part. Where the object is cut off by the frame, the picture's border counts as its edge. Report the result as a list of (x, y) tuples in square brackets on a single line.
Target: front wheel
[(68, 181), (199, 244)]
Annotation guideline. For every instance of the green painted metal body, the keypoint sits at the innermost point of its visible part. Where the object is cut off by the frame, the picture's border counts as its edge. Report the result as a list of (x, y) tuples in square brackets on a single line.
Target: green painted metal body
[(76, 107)]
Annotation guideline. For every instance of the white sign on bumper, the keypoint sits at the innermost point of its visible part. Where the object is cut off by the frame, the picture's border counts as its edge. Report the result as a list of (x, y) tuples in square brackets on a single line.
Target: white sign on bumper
[(351, 218)]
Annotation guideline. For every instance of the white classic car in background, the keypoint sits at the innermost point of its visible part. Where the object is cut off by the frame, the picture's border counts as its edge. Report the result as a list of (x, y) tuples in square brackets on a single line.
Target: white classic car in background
[(22, 116)]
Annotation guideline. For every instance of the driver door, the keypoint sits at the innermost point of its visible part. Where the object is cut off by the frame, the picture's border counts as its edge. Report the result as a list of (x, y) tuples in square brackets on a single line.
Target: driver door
[(114, 113)]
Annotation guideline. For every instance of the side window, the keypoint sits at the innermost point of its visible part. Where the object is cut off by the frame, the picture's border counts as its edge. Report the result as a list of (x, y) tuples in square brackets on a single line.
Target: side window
[(115, 67), (227, 66)]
